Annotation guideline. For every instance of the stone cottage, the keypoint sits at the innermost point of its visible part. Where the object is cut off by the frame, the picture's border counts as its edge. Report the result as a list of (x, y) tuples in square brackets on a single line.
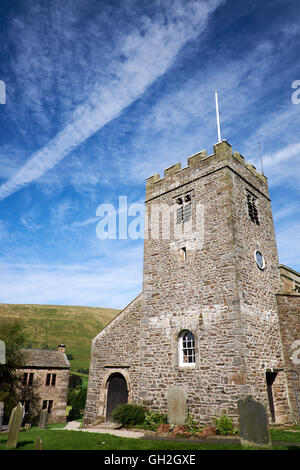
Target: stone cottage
[(47, 373), (214, 318)]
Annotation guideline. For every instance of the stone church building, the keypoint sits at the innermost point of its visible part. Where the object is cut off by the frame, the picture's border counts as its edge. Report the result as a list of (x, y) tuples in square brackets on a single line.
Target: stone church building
[(217, 316)]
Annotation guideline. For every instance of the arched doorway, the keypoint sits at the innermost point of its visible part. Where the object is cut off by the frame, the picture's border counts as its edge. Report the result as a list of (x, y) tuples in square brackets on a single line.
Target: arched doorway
[(117, 393)]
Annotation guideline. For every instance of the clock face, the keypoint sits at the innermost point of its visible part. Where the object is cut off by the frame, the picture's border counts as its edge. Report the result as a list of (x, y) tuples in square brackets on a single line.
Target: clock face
[(260, 261)]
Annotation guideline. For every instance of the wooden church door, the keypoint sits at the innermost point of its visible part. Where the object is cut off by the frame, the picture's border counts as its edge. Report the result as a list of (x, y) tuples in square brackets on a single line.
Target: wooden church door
[(117, 394)]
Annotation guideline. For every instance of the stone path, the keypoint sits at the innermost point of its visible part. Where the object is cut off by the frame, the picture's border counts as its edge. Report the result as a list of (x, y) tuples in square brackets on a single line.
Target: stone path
[(72, 425), (105, 428)]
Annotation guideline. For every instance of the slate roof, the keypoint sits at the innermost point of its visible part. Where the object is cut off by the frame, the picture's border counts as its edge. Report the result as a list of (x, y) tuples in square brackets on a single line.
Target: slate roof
[(45, 358)]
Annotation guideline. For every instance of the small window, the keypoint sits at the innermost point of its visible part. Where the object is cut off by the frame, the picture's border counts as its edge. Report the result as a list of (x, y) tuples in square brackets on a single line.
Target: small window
[(25, 377), (183, 254), (50, 406), (48, 379), (186, 349), (47, 405)]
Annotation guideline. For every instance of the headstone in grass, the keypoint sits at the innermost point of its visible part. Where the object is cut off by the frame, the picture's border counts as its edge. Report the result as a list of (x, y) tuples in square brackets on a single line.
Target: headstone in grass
[(15, 421), (39, 444), (177, 405), (43, 419), (1, 414), (253, 420)]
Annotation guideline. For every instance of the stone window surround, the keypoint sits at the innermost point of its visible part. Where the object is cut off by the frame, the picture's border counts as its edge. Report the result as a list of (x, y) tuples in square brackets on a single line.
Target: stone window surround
[(180, 361), (188, 194)]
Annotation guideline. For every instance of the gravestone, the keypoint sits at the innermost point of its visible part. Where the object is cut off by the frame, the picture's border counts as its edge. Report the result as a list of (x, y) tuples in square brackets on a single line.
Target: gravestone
[(15, 422), (1, 414), (254, 431), (177, 405), (11, 417), (39, 444), (43, 419)]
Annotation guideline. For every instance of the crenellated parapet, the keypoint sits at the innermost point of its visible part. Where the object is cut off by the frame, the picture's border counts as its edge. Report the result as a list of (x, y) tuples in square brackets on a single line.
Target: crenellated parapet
[(201, 164)]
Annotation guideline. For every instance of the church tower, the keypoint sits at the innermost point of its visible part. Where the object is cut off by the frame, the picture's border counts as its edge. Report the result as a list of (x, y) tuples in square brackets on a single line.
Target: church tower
[(209, 320)]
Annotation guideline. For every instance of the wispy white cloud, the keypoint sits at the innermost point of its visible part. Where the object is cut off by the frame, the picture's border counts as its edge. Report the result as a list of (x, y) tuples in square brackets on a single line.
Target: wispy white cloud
[(146, 55), (288, 241), (290, 208), (91, 284), (61, 211), (183, 121), (29, 220), (89, 221), (283, 166)]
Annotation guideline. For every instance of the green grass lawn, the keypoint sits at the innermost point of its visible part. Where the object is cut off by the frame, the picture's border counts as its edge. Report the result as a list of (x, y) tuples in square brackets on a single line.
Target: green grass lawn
[(77, 440), (284, 436), (58, 439)]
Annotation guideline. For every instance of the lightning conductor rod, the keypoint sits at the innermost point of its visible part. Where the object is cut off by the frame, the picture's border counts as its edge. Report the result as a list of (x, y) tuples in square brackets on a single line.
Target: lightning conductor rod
[(218, 117), (261, 159)]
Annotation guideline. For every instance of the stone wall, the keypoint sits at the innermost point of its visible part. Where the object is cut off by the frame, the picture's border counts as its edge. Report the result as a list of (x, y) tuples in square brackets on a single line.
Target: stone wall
[(289, 315), (115, 349)]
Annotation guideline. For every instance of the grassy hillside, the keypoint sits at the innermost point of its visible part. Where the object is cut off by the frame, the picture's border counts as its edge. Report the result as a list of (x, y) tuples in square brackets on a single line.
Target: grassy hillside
[(50, 325)]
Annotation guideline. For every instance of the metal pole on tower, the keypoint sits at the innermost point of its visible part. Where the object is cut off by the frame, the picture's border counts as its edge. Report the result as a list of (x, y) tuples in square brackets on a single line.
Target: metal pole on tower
[(261, 159), (218, 117)]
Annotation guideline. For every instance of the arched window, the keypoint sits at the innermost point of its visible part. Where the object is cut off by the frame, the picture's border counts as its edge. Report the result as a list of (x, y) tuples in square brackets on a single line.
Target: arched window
[(186, 348)]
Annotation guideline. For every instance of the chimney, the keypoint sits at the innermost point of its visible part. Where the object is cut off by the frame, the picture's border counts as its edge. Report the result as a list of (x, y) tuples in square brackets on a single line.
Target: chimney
[(61, 348)]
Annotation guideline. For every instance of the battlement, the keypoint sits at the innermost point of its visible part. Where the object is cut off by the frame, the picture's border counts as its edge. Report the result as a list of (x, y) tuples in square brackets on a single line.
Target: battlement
[(201, 162)]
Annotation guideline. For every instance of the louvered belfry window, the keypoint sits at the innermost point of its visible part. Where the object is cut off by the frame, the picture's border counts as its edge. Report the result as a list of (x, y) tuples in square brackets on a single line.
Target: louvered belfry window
[(184, 208), (179, 214), (252, 209)]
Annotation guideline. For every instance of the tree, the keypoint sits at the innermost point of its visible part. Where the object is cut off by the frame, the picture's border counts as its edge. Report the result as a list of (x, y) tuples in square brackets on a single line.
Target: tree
[(11, 332), (77, 401)]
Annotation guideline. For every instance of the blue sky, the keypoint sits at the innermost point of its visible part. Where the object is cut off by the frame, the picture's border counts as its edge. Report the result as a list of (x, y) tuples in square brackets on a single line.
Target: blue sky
[(102, 94)]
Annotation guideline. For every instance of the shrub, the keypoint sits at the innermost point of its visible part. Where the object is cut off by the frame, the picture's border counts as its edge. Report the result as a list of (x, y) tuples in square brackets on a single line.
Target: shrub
[(129, 414), (153, 420), (191, 424), (224, 425), (75, 380), (77, 399)]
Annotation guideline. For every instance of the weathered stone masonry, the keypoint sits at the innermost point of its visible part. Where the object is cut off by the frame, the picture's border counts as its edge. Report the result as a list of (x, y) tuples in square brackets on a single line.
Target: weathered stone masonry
[(207, 282), (288, 301)]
